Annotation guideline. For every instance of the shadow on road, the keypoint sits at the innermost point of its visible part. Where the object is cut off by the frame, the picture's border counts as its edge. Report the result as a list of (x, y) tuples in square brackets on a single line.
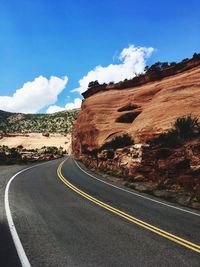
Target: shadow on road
[(8, 253)]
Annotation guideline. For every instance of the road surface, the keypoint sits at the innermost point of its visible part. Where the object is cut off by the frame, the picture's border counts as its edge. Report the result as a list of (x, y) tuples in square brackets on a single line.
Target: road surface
[(65, 217)]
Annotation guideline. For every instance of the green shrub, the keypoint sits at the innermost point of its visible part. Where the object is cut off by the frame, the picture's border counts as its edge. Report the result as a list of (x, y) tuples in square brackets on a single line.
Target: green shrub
[(93, 84), (197, 197), (51, 149), (94, 152), (110, 154), (187, 127), (170, 139), (184, 164), (163, 153), (118, 142)]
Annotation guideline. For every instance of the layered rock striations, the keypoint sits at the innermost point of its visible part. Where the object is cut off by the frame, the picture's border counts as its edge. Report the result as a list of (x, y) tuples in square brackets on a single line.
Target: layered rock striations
[(142, 107)]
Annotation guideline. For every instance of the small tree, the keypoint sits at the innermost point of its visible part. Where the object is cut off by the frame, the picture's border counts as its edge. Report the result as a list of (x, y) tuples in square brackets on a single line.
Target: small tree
[(170, 139), (93, 84), (187, 127), (196, 56)]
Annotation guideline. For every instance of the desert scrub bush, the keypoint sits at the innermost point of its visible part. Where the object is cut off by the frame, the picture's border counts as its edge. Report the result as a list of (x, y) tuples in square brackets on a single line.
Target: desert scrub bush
[(94, 152), (184, 164), (170, 139), (110, 154), (184, 128), (187, 127), (51, 149), (197, 197), (32, 150), (118, 142)]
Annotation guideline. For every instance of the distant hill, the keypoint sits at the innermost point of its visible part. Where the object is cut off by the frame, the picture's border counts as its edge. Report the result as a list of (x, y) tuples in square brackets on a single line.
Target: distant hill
[(60, 122)]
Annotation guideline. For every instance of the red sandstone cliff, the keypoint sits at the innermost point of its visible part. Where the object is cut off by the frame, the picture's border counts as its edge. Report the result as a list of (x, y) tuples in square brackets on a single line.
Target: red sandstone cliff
[(142, 108)]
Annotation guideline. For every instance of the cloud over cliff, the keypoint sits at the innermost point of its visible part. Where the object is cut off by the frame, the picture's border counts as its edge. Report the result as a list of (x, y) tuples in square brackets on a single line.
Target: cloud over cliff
[(73, 105), (132, 61), (43, 93)]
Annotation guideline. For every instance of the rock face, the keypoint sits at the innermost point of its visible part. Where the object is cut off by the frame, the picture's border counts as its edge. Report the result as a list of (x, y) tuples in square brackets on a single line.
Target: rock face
[(169, 173), (165, 167), (141, 109)]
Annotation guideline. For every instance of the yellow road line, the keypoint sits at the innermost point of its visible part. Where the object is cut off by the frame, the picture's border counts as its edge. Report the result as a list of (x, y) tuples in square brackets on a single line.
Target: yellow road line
[(128, 217)]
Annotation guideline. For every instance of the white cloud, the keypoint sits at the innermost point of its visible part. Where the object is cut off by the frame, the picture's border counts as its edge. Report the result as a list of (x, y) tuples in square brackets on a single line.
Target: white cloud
[(54, 108), (132, 61), (43, 93), (34, 95), (76, 104), (73, 105)]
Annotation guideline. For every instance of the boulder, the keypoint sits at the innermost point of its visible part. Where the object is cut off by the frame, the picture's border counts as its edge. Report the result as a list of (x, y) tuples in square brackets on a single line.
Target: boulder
[(143, 187), (139, 178), (196, 205), (164, 194), (183, 200)]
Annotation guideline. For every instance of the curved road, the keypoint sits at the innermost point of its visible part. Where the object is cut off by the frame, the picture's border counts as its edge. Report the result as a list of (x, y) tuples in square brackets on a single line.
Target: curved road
[(65, 217)]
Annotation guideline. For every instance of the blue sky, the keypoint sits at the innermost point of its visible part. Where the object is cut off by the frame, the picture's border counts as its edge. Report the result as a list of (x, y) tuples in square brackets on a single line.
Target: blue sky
[(70, 38)]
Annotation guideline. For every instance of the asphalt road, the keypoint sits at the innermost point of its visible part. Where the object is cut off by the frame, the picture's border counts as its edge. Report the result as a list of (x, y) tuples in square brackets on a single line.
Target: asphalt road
[(63, 226), (8, 254)]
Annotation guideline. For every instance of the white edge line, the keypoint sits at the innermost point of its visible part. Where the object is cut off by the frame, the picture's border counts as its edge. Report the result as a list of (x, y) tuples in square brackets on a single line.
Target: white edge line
[(18, 245), (136, 194)]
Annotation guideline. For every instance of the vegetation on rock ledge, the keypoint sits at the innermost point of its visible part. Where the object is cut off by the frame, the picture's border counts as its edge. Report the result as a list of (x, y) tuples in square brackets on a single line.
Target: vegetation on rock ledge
[(119, 141), (184, 129)]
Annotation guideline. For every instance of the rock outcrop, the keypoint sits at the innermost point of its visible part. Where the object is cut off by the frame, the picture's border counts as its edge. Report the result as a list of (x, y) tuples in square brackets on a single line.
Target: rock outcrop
[(142, 107), (20, 155), (169, 173)]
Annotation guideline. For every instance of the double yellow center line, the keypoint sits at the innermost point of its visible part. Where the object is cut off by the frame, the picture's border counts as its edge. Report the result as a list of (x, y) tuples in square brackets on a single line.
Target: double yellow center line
[(128, 217)]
